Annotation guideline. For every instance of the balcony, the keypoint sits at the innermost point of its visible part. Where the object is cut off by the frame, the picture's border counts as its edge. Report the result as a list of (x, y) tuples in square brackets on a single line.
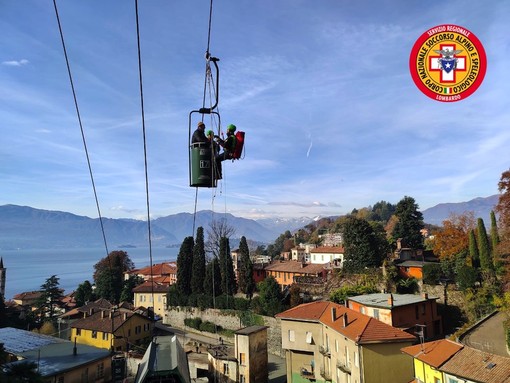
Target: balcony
[(307, 374), (325, 374), (324, 350), (343, 366)]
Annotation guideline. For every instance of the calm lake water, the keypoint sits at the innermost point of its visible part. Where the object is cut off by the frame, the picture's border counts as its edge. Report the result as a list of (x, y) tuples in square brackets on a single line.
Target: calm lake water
[(27, 270)]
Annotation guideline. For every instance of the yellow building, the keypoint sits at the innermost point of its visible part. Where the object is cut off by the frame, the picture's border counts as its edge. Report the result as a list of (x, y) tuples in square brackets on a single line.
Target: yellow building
[(150, 294), (327, 342), (428, 358), (128, 327)]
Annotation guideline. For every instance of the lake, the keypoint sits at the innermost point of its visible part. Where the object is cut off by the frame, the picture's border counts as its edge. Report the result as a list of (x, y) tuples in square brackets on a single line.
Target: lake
[(27, 270)]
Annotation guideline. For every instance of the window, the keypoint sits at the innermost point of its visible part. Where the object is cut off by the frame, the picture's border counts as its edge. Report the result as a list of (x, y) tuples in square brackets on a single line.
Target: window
[(292, 336), (336, 345), (60, 379), (309, 337), (85, 375), (138, 329), (242, 358), (242, 379), (100, 371), (94, 334), (356, 359), (437, 380), (226, 370), (452, 380), (105, 336), (78, 331), (376, 314), (362, 310)]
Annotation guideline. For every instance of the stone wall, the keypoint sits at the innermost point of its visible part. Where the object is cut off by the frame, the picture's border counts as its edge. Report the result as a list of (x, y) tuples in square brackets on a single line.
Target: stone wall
[(228, 319)]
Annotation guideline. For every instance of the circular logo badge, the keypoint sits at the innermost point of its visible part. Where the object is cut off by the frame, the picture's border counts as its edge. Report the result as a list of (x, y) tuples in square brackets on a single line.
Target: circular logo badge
[(448, 63)]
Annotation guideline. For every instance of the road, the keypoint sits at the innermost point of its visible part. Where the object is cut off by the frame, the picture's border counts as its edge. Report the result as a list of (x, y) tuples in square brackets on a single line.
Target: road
[(489, 336)]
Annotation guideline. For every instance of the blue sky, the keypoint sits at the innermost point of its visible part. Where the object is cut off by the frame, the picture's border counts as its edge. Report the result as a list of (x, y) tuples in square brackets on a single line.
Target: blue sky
[(322, 89)]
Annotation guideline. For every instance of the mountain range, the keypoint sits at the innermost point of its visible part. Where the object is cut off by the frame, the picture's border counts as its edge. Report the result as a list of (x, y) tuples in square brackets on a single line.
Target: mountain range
[(23, 227)]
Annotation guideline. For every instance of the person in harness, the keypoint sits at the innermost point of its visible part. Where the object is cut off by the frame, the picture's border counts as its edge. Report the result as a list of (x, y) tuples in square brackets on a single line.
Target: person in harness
[(228, 145)]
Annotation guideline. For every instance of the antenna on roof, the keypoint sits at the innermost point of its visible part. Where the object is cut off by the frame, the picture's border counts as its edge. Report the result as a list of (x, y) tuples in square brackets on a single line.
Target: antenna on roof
[(421, 335)]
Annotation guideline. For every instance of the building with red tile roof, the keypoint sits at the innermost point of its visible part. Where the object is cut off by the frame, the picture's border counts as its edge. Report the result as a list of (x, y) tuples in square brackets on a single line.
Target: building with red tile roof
[(162, 273), (325, 341), (151, 294), (327, 254), (285, 272), (446, 361)]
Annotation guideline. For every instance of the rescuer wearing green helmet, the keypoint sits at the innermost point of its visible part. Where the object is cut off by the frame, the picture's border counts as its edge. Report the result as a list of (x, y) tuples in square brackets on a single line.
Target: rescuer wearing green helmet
[(228, 145)]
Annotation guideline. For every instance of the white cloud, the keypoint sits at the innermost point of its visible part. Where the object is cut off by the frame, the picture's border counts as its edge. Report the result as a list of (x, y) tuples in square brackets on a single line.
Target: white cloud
[(15, 62)]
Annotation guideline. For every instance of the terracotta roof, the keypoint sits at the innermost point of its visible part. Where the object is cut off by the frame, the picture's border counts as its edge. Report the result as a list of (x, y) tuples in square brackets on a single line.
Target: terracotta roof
[(164, 268), (295, 267), (96, 305), (28, 295), (102, 322), (307, 311), (360, 328), (478, 366), (434, 353), (328, 249), (148, 287)]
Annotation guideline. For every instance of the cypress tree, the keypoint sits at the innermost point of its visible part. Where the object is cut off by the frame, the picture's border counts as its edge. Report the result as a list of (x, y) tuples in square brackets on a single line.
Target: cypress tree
[(228, 280), (473, 250), (246, 282), (198, 275), (184, 266), (494, 237), (212, 281), (484, 247)]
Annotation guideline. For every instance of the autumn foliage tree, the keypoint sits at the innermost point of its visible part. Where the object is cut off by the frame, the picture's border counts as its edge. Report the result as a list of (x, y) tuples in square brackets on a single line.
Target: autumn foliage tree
[(454, 237), (503, 209)]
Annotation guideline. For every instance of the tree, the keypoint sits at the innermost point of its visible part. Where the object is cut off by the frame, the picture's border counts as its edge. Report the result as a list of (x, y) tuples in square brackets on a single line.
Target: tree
[(228, 279), (246, 282), (483, 247), (185, 266), (21, 372), (84, 293), (409, 224), (127, 294), (503, 208), (474, 256), (212, 281), (218, 229), (198, 274), (109, 275), (51, 294), (295, 295), (362, 247), (382, 211), (454, 237), (494, 237), (270, 296)]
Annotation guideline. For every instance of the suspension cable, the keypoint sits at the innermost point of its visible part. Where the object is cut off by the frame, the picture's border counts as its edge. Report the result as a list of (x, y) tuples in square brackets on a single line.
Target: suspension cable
[(144, 149), (83, 138)]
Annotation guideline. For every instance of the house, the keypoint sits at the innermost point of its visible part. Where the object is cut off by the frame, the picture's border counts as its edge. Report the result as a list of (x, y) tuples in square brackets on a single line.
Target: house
[(404, 311), (145, 292), (57, 360), (470, 365), (429, 357), (325, 341), (445, 361), (259, 274), (246, 362), (288, 272), (162, 273), (115, 329), (327, 254), (27, 299), (301, 253)]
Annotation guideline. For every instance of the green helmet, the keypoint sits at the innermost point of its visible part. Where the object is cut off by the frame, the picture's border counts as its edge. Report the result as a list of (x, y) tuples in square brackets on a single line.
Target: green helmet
[(209, 133), (231, 128)]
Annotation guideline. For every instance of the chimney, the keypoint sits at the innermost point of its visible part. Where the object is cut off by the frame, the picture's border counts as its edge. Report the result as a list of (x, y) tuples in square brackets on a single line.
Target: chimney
[(425, 296), (333, 314), (125, 316), (91, 311), (346, 321), (390, 300)]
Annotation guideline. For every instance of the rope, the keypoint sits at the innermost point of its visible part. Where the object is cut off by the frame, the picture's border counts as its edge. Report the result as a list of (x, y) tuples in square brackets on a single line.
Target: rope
[(144, 149), (83, 138)]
